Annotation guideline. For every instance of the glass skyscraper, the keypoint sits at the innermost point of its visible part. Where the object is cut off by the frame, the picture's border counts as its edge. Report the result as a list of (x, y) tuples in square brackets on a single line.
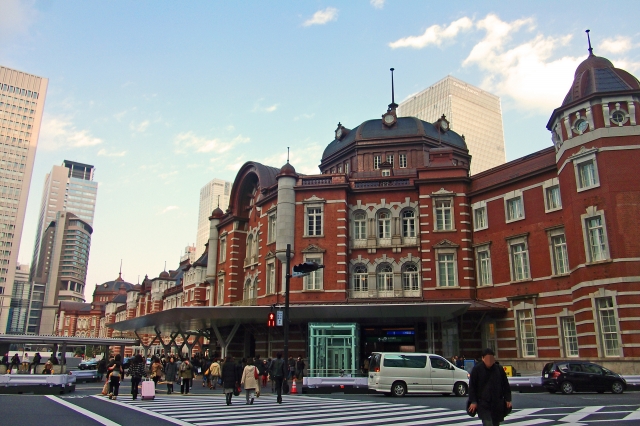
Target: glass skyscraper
[(471, 112), (21, 105)]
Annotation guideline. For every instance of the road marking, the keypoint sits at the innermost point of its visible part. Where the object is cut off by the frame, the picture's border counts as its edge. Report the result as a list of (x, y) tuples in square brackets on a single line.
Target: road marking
[(635, 415), (147, 412), (580, 414), (87, 413)]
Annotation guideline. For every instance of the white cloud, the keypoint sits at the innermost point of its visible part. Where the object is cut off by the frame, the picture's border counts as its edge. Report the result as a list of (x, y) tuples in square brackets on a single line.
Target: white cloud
[(167, 175), (304, 157), (526, 73), (378, 4), (619, 44), (61, 133), (104, 153), (236, 164), (16, 17), (434, 35), (259, 108), (321, 17), (140, 127), (304, 116), (168, 209), (189, 141)]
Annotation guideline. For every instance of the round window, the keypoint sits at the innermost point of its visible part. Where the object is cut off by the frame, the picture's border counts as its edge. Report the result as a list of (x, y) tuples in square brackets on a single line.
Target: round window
[(581, 125), (618, 117)]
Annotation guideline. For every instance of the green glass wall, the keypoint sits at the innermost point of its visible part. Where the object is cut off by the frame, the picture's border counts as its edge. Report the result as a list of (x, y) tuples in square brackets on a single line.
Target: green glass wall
[(334, 349)]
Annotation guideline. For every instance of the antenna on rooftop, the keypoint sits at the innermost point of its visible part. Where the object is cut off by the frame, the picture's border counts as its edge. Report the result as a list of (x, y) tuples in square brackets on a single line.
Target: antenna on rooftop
[(120, 273), (165, 265), (393, 104), (218, 204), (287, 155), (589, 40)]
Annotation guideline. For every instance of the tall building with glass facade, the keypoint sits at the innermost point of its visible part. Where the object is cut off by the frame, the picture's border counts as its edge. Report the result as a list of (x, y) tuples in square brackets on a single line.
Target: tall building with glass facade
[(22, 98), (20, 300), (471, 112), (208, 201), (67, 188)]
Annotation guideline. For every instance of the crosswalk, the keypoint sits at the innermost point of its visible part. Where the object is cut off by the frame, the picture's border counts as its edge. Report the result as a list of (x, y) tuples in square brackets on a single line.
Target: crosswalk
[(317, 411)]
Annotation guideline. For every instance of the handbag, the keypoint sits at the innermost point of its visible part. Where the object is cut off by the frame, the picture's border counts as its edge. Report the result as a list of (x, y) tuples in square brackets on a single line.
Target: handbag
[(507, 409), (255, 373), (236, 390), (105, 388)]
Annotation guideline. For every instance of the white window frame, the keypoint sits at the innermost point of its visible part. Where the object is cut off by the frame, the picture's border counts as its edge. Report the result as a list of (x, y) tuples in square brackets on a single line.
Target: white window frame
[(223, 249), (480, 206), (383, 281), (389, 159), (508, 199), (552, 236), (315, 280), (587, 236), (220, 292), (512, 242), (612, 346), (377, 160), (272, 226), (307, 217), (569, 334), (526, 329), (362, 281), (450, 209), (411, 279), (360, 226), (346, 166), (447, 252), (578, 161), (409, 228), (547, 187), (386, 172), (270, 273), (402, 161), (483, 265), (383, 230)]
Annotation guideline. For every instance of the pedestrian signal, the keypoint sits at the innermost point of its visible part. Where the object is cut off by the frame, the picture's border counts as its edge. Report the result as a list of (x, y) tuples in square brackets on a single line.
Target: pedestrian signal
[(271, 322)]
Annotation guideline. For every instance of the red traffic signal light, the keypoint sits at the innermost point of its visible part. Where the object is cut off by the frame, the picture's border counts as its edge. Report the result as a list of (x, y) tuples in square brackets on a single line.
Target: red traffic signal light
[(271, 322)]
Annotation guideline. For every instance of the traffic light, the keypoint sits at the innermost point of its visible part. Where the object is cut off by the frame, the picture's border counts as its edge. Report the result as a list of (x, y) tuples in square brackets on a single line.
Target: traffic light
[(307, 267), (271, 322)]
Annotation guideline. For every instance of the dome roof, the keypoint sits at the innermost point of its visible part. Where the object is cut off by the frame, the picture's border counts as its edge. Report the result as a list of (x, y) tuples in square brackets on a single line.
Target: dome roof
[(405, 127), (598, 75), (287, 170), (217, 213), (164, 274)]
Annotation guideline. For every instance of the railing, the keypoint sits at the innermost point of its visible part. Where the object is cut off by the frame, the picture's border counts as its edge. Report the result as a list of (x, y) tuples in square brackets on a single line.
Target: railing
[(359, 294), (316, 181), (382, 183), (245, 302)]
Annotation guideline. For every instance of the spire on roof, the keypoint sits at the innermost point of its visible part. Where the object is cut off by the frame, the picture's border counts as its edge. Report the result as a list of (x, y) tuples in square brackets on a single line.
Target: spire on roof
[(589, 41), (393, 105)]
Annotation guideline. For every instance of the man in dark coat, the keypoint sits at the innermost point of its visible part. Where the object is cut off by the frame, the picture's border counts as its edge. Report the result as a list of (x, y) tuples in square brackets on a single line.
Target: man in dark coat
[(36, 362), (278, 373), (489, 391), (230, 379)]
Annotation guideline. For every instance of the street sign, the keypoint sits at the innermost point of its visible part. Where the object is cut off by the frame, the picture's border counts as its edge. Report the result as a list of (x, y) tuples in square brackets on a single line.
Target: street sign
[(300, 274), (279, 318)]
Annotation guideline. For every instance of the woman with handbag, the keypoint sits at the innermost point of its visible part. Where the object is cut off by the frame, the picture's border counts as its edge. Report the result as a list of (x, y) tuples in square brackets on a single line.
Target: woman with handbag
[(115, 374), (170, 374), (187, 375), (156, 370), (229, 378), (250, 381)]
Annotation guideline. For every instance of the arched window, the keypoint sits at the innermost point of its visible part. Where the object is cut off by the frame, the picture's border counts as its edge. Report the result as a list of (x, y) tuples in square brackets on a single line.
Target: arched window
[(384, 224), (359, 279), (249, 246), (410, 278), (254, 249), (385, 277), (248, 290), (360, 226), (408, 224)]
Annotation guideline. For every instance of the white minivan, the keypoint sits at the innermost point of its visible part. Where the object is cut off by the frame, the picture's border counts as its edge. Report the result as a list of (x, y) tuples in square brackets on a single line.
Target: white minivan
[(396, 373)]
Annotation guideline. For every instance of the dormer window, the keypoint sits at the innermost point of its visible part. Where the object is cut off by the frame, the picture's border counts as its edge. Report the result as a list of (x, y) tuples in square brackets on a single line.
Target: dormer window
[(386, 172)]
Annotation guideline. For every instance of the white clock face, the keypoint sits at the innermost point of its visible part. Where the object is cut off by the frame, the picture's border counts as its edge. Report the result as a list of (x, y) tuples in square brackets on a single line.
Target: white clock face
[(444, 125), (581, 125), (339, 133), (388, 118)]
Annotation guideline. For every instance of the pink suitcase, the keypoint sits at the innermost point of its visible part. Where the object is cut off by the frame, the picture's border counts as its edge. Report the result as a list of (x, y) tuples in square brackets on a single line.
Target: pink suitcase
[(148, 389)]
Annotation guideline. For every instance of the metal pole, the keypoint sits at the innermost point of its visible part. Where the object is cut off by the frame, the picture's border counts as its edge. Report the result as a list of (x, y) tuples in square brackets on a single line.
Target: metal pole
[(286, 309)]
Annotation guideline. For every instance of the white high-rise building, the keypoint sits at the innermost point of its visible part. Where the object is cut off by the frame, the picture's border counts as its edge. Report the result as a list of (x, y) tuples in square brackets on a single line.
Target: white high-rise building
[(67, 188), (471, 112), (209, 195), (21, 105)]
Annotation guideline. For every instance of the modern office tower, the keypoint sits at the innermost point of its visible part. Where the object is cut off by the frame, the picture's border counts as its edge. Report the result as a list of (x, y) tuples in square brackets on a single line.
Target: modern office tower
[(61, 271), (208, 201), (69, 187), (471, 112), (20, 297), (21, 105), (189, 254)]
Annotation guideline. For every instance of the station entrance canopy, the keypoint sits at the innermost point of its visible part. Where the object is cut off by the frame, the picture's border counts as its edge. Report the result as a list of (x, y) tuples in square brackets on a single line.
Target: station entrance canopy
[(207, 321)]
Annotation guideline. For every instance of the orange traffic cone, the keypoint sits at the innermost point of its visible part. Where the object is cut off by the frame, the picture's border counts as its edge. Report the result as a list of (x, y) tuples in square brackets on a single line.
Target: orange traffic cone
[(294, 388)]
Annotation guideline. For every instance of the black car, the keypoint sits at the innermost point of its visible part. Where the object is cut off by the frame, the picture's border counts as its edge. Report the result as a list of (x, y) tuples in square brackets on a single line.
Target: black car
[(90, 364), (581, 376)]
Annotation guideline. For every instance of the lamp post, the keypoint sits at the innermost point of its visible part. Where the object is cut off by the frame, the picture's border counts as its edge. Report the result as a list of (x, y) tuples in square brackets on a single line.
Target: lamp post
[(286, 307)]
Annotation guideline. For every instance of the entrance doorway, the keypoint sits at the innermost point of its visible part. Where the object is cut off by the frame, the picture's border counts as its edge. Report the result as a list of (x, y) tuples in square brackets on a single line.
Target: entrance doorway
[(333, 350)]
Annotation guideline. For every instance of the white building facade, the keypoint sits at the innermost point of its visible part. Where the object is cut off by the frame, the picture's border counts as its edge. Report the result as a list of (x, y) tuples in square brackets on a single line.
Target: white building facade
[(22, 98), (471, 112), (216, 189)]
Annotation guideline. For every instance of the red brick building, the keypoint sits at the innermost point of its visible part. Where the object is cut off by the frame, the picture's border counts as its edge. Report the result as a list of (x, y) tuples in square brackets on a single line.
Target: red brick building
[(543, 252)]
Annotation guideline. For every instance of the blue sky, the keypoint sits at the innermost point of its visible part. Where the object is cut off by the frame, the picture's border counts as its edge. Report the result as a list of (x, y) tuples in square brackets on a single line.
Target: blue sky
[(163, 96)]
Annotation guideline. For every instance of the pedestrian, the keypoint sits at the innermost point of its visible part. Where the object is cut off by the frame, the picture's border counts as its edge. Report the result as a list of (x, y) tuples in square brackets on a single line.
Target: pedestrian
[(25, 363), (206, 363), (460, 362), (292, 368), (101, 368), (229, 378), (170, 373), (156, 370), (250, 381), (5, 361), (489, 391), (299, 368), (35, 363), (186, 376), (115, 374), (278, 373), (137, 369), (263, 370), (365, 366), (48, 368), (15, 362), (214, 373)]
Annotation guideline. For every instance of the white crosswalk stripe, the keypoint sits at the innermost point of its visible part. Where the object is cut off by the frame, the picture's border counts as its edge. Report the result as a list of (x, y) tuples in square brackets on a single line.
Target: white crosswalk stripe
[(317, 411)]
